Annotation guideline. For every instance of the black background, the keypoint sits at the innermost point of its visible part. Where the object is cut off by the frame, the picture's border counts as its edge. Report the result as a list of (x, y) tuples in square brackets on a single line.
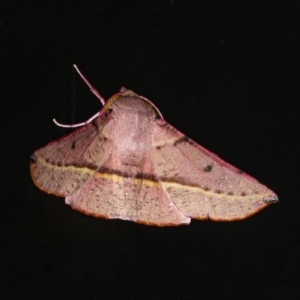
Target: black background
[(226, 73)]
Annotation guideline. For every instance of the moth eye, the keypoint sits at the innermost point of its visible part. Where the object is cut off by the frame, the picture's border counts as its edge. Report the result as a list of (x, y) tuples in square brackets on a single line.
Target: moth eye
[(108, 112)]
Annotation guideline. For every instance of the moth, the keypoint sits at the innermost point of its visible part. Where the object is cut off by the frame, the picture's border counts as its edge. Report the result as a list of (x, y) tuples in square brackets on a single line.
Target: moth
[(127, 162)]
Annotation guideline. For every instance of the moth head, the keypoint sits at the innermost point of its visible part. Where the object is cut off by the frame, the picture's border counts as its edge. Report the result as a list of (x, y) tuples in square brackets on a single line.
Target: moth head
[(128, 102)]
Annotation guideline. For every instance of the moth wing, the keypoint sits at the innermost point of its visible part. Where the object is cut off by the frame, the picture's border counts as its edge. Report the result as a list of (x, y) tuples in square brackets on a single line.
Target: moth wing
[(64, 165), (200, 184), (138, 198), (147, 201), (102, 195)]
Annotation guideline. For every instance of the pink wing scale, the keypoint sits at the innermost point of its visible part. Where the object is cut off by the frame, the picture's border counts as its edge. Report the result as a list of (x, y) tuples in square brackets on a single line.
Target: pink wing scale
[(132, 165), (63, 166), (201, 184), (110, 195)]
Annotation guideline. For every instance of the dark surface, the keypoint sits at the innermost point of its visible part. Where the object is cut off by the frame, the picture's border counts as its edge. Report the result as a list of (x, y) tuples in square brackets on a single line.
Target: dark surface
[(225, 73)]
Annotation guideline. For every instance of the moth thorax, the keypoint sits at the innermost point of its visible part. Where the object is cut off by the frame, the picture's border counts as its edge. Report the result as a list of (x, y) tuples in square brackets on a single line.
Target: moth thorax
[(135, 104)]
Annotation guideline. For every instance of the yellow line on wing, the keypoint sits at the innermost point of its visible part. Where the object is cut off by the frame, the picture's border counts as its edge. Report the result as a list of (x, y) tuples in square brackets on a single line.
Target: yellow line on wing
[(147, 182), (42, 161)]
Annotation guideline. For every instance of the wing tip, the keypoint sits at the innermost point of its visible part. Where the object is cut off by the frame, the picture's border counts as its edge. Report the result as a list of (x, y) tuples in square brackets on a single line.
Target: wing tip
[(209, 217), (272, 199)]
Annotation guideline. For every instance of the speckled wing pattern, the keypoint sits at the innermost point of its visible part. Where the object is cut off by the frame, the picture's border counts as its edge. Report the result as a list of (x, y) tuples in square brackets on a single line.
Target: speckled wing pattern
[(130, 164), (110, 194), (200, 184), (65, 165), (84, 168)]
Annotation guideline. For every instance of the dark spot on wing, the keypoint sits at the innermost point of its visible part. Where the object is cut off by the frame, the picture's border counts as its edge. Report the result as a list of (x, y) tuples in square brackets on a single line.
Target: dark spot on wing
[(208, 168), (183, 139), (108, 112), (160, 146), (73, 145), (243, 194), (94, 123)]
